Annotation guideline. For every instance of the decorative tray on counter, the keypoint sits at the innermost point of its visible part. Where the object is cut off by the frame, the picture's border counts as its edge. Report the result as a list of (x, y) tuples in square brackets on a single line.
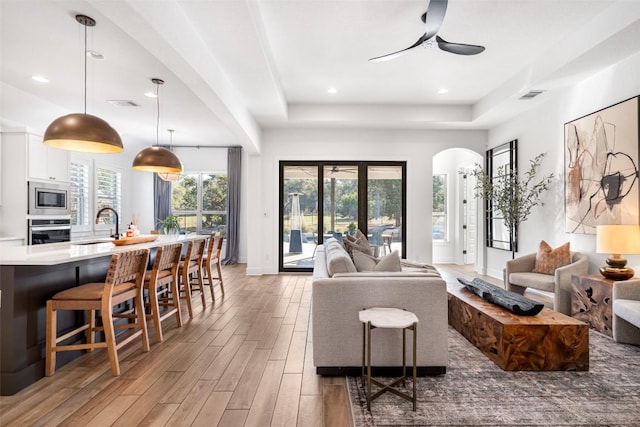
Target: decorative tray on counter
[(135, 240)]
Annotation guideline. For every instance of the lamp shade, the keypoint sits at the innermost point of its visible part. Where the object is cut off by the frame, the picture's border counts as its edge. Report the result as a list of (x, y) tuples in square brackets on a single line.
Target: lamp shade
[(157, 159), (618, 239), (83, 132)]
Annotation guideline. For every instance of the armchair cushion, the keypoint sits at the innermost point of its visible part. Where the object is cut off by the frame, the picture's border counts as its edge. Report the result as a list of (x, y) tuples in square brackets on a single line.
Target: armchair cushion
[(629, 310), (543, 282), (548, 260)]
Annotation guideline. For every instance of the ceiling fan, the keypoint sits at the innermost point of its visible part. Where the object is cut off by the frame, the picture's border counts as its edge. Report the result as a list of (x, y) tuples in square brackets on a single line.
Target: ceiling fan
[(433, 18), (338, 169)]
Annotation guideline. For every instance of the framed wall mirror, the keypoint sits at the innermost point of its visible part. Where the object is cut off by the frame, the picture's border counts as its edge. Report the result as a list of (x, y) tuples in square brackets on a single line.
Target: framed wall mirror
[(499, 161)]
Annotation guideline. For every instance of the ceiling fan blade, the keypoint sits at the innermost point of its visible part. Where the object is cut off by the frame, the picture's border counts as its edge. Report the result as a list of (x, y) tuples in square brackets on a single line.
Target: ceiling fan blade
[(459, 48), (434, 16), (400, 52)]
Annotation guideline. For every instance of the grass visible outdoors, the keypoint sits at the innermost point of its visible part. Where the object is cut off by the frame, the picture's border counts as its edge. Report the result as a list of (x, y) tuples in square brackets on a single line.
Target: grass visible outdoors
[(188, 221), (310, 223)]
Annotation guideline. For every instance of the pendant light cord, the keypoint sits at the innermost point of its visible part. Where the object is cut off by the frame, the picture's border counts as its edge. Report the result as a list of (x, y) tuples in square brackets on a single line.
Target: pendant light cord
[(158, 114), (85, 68)]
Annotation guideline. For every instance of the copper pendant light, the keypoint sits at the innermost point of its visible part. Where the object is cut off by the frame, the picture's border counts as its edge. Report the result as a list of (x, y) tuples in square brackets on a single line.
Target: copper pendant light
[(170, 176), (81, 131), (155, 158)]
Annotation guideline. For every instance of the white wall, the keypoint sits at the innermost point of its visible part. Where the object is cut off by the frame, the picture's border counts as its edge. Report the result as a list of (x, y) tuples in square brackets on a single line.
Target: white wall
[(415, 147), (542, 130)]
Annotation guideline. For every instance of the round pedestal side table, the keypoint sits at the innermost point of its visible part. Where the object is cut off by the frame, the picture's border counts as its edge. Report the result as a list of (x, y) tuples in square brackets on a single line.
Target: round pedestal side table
[(387, 318)]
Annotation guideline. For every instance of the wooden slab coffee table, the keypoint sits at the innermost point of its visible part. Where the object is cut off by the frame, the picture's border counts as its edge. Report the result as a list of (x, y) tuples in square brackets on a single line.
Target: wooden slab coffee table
[(549, 341)]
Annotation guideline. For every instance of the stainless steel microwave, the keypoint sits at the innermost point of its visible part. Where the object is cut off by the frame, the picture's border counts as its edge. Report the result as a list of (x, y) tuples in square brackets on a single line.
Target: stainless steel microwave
[(49, 198)]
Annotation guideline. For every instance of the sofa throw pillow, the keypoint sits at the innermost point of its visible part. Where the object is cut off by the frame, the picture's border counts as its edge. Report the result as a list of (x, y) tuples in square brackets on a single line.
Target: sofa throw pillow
[(352, 247), (362, 240), (365, 262), (357, 242), (549, 259)]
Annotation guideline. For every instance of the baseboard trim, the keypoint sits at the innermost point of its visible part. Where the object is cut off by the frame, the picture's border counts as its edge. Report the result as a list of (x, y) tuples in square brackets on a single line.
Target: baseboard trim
[(381, 371)]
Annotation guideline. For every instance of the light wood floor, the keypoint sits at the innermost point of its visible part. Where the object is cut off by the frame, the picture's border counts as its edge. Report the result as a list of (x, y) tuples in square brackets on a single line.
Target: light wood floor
[(247, 360)]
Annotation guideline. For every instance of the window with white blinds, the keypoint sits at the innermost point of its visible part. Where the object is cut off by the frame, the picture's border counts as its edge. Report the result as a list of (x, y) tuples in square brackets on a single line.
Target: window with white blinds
[(80, 198), (108, 191)]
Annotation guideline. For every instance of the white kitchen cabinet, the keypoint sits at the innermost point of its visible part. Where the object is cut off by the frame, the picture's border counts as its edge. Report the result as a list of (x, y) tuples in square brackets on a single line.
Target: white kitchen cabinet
[(24, 157), (46, 163)]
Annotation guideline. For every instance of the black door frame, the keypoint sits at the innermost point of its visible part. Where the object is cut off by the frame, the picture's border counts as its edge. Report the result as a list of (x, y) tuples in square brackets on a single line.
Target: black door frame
[(362, 200)]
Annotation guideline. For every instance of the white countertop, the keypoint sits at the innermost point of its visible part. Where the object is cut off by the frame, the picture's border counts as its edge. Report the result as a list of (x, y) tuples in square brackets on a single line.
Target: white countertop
[(5, 237), (60, 253)]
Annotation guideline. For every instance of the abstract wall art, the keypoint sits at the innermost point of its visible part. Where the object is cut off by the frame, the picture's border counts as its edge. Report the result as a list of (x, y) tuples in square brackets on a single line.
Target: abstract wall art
[(601, 168)]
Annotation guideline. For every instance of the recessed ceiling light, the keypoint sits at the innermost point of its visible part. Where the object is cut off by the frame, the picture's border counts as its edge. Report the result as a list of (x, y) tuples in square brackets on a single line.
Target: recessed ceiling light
[(442, 91), (40, 79), (332, 90), (150, 95), (94, 54)]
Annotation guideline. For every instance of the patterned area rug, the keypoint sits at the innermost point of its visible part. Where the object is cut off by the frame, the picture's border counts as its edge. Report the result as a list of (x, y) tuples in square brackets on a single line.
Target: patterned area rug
[(476, 392)]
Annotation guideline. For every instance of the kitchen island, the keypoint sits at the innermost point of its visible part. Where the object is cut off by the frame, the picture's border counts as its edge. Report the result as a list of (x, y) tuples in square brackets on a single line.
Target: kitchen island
[(29, 276)]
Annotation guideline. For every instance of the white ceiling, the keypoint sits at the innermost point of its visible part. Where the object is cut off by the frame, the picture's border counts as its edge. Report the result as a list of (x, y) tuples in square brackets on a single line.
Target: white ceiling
[(235, 67)]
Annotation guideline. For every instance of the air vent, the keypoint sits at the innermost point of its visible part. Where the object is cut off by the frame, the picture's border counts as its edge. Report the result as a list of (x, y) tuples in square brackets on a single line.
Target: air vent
[(531, 94), (123, 103)]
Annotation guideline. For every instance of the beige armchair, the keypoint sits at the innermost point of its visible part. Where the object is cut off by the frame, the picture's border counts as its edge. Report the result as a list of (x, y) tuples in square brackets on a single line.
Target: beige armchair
[(626, 311), (553, 290)]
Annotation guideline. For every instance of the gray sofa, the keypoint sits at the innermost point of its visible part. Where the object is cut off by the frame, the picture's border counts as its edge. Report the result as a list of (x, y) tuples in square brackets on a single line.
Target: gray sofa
[(626, 311), (339, 293)]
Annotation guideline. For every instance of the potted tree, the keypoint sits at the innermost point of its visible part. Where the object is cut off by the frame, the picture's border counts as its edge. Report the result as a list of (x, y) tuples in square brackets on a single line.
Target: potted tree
[(511, 196)]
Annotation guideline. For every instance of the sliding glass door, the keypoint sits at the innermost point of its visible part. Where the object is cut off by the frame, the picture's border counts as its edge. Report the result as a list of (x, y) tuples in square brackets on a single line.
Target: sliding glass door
[(385, 207), (319, 200), (299, 225), (340, 198)]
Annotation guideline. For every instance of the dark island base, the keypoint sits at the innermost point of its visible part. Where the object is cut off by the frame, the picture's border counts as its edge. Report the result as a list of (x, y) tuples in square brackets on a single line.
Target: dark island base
[(382, 371), (25, 291), (549, 341)]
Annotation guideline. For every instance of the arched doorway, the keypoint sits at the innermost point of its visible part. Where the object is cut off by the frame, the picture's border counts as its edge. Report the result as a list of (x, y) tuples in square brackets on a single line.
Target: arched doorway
[(457, 225)]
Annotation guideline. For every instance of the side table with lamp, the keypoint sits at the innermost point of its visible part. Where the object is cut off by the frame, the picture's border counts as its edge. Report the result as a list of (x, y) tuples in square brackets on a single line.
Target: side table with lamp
[(591, 300)]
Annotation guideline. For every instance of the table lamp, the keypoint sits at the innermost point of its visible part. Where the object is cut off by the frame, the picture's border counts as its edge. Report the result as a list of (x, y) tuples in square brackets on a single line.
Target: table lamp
[(617, 240)]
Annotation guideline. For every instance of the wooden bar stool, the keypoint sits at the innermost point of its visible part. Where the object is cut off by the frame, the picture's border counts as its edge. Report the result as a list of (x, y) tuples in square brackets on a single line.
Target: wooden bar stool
[(162, 280), (191, 265), (123, 282), (212, 255), (390, 318)]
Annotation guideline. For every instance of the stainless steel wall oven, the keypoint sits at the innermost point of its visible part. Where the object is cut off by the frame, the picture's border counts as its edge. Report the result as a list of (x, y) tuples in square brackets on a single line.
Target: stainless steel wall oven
[(49, 230)]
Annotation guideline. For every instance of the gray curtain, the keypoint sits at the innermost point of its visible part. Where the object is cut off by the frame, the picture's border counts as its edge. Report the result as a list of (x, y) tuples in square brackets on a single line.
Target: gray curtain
[(161, 199), (234, 159)]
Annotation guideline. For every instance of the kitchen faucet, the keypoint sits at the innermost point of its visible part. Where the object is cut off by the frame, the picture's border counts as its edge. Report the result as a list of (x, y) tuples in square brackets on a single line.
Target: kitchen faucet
[(117, 235)]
